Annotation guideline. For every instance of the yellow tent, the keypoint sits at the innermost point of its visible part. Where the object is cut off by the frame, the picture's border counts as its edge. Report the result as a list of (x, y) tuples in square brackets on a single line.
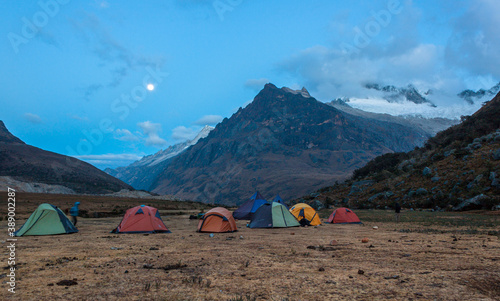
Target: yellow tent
[(302, 210)]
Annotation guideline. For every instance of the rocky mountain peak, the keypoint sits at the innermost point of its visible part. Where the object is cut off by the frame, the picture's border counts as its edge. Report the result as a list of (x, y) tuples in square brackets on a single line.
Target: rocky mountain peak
[(284, 141), (204, 131), (395, 94), (275, 105), (6, 136), (272, 96), (302, 92), (474, 96)]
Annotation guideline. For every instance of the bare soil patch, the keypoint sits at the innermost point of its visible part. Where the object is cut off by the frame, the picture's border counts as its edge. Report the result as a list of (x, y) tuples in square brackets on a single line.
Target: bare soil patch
[(422, 258)]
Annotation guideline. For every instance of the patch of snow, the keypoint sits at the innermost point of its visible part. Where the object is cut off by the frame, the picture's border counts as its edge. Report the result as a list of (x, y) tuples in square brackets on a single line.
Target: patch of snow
[(302, 92), (173, 150), (407, 108)]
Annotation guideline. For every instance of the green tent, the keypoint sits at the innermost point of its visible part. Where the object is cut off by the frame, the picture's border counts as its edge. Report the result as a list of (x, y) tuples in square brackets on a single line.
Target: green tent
[(46, 220), (273, 215)]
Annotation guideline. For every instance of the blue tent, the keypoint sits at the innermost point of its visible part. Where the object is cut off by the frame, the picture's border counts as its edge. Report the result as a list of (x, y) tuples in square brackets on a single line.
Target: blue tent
[(257, 196), (278, 199), (246, 210)]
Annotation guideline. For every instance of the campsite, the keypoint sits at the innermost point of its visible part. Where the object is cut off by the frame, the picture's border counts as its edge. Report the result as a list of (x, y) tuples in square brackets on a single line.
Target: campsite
[(427, 256), (234, 150)]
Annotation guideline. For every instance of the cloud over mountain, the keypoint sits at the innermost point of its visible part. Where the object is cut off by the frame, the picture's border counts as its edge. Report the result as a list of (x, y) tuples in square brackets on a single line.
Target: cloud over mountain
[(152, 131), (209, 120), (256, 84), (33, 118), (400, 54), (182, 133), (474, 42)]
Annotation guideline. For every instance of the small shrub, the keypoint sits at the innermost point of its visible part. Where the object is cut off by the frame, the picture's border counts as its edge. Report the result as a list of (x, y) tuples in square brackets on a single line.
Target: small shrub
[(197, 280), (460, 153), (387, 162), (157, 284), (241, 298), (383, 175)]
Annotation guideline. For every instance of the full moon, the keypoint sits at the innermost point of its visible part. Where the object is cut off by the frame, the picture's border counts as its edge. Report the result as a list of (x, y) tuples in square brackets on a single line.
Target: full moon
[(150, 87)]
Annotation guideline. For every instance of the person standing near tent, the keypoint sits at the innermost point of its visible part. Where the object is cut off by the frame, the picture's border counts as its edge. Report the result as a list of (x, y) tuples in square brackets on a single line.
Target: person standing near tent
[(397, 209), (303, 221), (74, 213)]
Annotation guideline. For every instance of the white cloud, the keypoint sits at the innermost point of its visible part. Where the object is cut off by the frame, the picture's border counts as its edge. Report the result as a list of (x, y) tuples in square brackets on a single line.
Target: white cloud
[(400, 55), (256, 84), (407, 108), (110, 157), (150, 135), (182, 133), (115, 58), (475, 41), (151, 131), (33, 118), (328, 74), (209, 120), (125, 135), (421, 58), (79, 118), (102, 4), (109, 160)]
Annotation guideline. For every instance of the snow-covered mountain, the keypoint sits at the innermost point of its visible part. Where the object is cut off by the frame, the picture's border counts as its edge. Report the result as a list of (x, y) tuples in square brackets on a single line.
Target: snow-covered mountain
[(394, 94), (172, 150), (429, 125), (142, 173), (480, 95), (410, 101)]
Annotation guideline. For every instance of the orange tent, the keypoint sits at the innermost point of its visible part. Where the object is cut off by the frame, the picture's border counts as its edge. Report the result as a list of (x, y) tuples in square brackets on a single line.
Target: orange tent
[(141, 219), (304, 211), (343, 216), (217, 220)]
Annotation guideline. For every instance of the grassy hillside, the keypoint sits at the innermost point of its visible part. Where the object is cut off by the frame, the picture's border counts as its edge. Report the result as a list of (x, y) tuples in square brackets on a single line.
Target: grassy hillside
[(459, 164)]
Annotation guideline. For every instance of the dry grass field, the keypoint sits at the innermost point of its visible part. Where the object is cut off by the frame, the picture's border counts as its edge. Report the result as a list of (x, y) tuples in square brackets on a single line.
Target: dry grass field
[(427, 256)]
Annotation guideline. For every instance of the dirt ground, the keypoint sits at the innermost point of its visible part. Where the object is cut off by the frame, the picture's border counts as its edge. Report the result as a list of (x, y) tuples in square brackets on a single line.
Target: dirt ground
[(427, 256)]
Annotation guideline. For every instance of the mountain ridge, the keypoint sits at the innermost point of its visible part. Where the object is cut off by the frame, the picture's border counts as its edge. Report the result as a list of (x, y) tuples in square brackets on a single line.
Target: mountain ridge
[(23, 163), (140, 174), (430, 125), (394, 94), (281, 142), (469, 95), (458, 169), (6, 136)]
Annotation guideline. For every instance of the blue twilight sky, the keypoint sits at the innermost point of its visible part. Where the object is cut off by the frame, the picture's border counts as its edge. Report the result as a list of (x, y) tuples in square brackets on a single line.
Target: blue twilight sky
[(74, 73)]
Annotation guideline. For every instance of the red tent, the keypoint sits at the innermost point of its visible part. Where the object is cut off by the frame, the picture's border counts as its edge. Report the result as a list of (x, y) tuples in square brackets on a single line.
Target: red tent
[(217, 220), (343, 216), (141, 219)]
